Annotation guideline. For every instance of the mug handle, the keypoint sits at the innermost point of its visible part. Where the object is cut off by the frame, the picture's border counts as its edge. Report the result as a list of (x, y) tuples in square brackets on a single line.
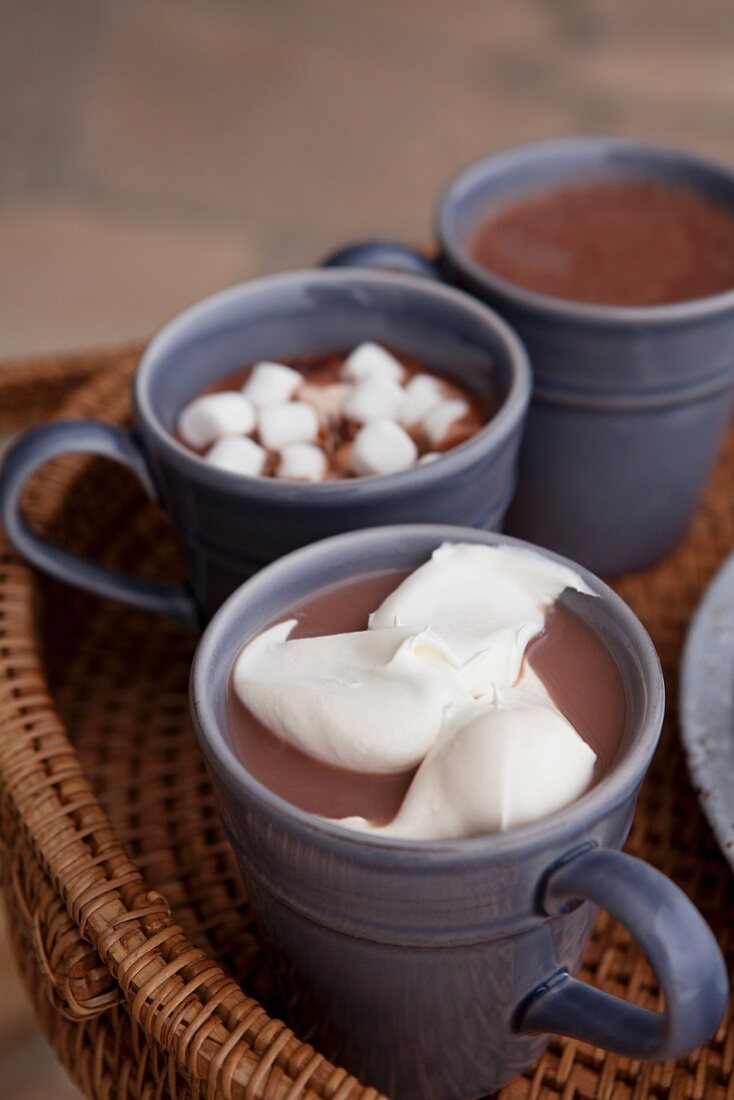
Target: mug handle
[(676, 940), (48, 441), (384, 255)]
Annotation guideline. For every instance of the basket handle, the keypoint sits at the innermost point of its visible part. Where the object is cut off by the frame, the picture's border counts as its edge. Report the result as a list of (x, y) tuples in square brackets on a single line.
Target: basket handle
[(48, 441), (384, 255), (676, 940)]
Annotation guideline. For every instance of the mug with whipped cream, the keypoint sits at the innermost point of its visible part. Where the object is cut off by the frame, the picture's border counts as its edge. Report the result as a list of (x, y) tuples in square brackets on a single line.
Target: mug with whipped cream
[(427, 744)]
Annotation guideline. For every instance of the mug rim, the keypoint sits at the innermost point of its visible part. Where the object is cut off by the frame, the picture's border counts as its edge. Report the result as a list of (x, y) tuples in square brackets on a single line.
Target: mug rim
[(493, 433), (533, 301), (616, 786)]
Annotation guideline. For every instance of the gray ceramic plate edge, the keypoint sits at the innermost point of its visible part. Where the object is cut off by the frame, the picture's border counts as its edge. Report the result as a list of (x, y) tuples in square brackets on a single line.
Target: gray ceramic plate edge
[(706, 707)]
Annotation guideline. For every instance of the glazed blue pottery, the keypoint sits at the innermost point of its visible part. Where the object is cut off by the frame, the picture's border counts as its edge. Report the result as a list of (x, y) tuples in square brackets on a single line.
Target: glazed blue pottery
[(229, 525), (630, 404), (438, 968)]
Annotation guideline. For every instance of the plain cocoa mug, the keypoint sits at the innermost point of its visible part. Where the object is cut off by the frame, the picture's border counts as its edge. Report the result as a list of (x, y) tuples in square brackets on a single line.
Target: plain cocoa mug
[(229, 525), (630, 404), (441, 966)]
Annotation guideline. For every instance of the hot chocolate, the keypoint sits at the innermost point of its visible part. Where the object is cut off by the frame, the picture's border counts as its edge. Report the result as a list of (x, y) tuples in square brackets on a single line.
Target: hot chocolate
[(565, 658), (331, 416), (625, 244)]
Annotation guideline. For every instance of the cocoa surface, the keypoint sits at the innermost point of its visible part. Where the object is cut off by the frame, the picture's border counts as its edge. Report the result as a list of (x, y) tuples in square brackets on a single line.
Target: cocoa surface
[(635, 244)]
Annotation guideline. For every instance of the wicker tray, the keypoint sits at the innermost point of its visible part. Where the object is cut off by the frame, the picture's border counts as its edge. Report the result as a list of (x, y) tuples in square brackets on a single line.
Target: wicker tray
[(129, 921)]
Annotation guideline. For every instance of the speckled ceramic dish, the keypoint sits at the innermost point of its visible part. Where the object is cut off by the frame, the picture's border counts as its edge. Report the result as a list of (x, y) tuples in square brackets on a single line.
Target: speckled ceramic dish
[(707, 705)]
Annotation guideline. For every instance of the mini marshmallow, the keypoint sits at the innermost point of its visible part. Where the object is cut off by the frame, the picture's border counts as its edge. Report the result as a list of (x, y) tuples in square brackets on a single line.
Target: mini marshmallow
[(429, 456), (370, 360), (382, 447), (291, 422), (420, 395), (374, 399), (439, 419), (327, 400), (215, 415), (237, 455), (271, 384), (302, 462)]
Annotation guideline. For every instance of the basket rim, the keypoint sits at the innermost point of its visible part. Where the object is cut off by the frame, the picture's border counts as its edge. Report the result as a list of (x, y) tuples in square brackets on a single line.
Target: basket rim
[(130, 926)]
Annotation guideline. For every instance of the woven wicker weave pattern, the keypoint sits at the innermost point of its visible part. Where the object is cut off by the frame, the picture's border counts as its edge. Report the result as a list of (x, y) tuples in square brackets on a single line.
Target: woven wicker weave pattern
[(128, 917)]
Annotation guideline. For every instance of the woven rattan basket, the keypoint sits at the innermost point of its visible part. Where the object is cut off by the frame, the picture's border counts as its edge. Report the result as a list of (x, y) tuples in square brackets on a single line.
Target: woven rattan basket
[(129, 921)]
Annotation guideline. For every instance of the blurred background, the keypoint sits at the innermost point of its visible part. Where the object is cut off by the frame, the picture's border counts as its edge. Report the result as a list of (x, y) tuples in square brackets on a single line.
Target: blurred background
[(152, 151)]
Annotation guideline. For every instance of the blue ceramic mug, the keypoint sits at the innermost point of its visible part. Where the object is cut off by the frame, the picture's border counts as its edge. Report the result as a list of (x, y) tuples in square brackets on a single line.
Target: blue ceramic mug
[(440, 967), (230, 525), (630, 404)]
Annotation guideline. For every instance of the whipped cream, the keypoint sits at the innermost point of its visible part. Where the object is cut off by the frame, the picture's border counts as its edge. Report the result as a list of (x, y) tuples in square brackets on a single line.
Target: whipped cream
[(371, 701), (515, 761), (436, 682), (486, 603)]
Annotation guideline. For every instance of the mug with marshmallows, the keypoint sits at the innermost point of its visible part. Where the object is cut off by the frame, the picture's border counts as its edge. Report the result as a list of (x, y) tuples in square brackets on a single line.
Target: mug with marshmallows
[(296, 407)]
